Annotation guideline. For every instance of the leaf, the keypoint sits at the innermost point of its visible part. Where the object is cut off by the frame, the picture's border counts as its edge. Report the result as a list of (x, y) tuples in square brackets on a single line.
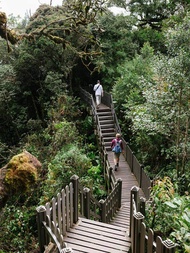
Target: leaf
[(170, 204), (187, 248)]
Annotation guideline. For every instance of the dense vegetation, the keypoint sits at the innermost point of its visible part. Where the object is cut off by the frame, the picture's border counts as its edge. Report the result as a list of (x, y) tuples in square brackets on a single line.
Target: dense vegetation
[(143, 59)]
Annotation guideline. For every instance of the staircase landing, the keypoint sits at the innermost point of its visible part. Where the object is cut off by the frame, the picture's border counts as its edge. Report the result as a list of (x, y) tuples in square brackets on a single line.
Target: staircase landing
[(96, 237)]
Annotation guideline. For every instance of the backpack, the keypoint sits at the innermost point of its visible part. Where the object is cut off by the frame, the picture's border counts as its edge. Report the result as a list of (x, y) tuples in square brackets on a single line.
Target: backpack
[(117, 148)]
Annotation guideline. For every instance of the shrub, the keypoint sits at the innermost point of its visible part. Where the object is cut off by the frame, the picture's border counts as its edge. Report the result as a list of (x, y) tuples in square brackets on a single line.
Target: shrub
[(18, 226), (169, 214), (68, 161)]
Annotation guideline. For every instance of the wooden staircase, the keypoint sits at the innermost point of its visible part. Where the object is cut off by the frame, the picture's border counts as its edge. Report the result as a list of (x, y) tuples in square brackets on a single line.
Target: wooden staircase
[(106, 126)]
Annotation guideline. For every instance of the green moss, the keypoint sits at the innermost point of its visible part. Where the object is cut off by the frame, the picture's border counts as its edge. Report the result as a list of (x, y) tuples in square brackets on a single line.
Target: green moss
[(21, 174)]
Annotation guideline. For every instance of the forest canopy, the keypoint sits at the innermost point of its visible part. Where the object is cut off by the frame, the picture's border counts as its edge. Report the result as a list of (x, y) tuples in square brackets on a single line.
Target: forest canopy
[(141, 58)]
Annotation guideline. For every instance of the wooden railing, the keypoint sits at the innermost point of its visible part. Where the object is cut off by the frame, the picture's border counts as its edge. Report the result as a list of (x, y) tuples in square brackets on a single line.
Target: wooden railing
[(55, 219), (142, 239), (58, 216), (108, 170), (136, 168)]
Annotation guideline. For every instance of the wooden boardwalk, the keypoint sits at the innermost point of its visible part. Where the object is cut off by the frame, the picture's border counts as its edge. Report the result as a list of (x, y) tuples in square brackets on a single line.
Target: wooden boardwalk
[(128, 181), (89, 236), (95, 237)]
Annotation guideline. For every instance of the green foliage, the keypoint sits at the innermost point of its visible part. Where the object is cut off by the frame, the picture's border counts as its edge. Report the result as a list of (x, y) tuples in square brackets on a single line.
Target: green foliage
[(168, 214), (68, 161), (5, 57), (65, 133), (95, 182), (117, 45), (153, 37), (153, 13), (11, 114), (5, 152), (151, 95), (131, 72), (154, 97), (17, 228)]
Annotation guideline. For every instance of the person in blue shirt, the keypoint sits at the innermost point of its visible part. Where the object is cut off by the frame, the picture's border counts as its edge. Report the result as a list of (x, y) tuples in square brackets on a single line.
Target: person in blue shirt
[(116, 141)]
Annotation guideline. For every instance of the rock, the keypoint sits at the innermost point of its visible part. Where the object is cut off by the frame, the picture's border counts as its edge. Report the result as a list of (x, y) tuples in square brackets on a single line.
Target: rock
[(20, 174)]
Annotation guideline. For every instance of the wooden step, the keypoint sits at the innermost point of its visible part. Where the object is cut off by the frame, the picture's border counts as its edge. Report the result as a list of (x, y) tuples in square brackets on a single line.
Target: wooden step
[(104, 113), (108, 134), (108, 139), (108, 130), (102, 110), (107, 126), (106, 117), (106, 122)]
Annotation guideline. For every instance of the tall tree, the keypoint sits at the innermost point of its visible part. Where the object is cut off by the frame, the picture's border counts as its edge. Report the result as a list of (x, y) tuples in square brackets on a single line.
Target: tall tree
[(161, 116), (117, 44), (153, 13), (58, 37)]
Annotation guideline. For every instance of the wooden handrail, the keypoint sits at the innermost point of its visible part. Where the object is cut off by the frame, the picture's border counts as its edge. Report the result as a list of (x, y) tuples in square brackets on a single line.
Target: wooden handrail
[(141, 237), (57, 217), (136, 168), (108, 170)]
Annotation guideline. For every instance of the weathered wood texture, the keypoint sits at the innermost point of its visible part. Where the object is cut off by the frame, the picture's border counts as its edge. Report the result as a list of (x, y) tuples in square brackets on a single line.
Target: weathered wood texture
[(95, 237), (124, 216), (143, 239)]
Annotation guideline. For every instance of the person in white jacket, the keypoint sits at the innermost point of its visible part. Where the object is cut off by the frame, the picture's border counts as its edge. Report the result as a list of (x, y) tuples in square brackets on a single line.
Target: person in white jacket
[(98, 89)]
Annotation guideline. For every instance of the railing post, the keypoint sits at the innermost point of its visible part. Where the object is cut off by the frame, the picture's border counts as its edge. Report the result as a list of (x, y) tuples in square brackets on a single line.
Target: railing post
[(41, 217), (135, 195), (86, 192), (110, 173), (119, 192), (105, 163), (142, 205), (168, 246), (135, 242), (141, 168), (159, 245), (132, 154), (102, 210), (75, 182)]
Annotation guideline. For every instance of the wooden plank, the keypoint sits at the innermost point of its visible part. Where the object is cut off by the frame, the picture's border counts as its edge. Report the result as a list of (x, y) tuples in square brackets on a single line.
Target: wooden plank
[(95, 233), (159, 246), (143, 238), (71, 203), (59, 211), (67, 207), (95, 245), (150, 240), (63, 212), (99, 239), (100, 234), (102, 225), (83, 249), (54, 215)]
